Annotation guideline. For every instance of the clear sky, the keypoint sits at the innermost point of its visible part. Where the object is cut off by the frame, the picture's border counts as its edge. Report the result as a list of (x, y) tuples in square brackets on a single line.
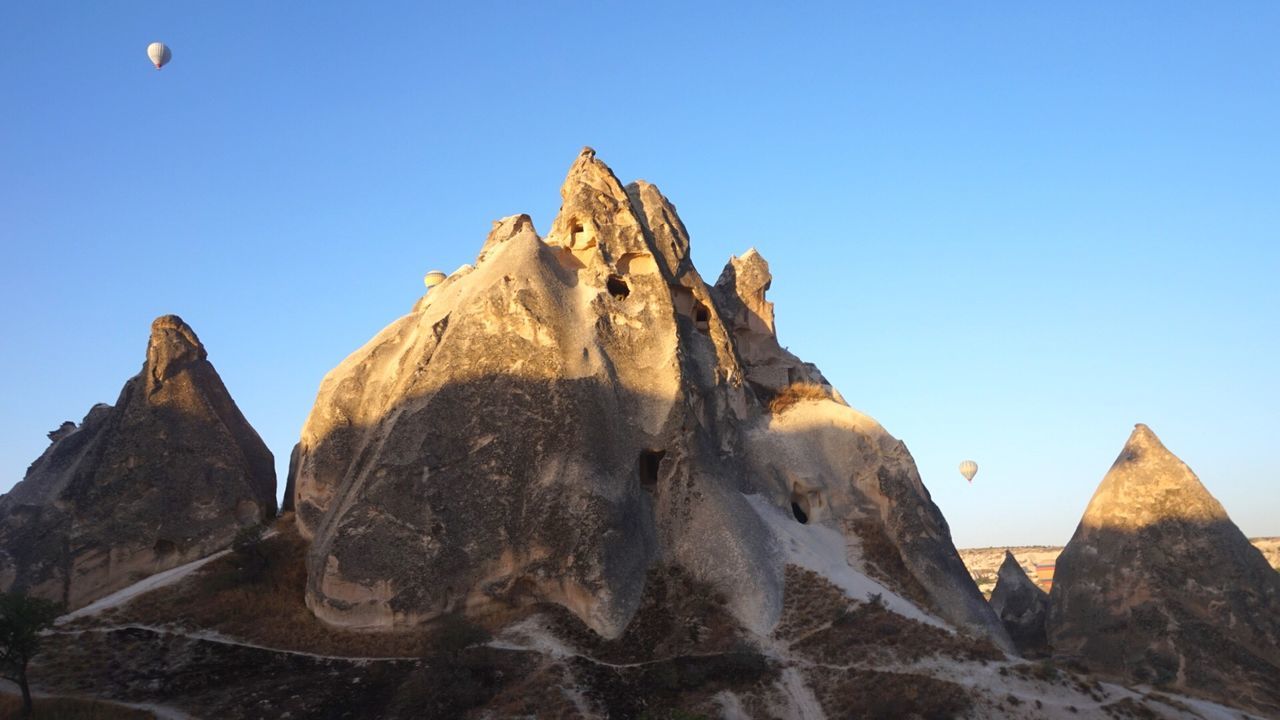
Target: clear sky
[(1006, 230)]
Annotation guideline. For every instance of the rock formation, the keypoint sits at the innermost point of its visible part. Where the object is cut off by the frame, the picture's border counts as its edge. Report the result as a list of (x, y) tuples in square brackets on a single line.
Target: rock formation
[(575, 410), (1159, 586), (1021, 606), (167, 475)]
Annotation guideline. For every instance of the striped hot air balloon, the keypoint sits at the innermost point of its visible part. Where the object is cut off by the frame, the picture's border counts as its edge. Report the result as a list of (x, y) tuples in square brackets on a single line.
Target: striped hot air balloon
[(433, 278), (968, 469), (159, 54)]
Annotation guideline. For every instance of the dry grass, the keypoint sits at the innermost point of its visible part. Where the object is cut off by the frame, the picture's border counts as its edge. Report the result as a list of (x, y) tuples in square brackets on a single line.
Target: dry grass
[(1130, 709), (55, 708), (678, 615), (884, 562), (808, 604), (825, 626), (680, 649), (879, 695), (230, 596), (795, 393)]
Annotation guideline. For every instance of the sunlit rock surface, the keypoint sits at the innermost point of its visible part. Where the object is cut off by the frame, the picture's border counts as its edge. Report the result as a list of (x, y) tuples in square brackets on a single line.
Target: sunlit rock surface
[(1159, 586), (569, 412), (167, 475)]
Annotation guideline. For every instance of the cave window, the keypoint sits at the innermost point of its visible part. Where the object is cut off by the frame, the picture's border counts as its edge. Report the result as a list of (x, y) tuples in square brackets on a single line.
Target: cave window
[(164, 547), (649, 463), (800, 507), (701, 317), (617, 287)]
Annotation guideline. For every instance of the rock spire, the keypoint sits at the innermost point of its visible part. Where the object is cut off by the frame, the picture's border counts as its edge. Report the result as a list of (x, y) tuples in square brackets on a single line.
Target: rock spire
[(166, 475), (1159, 586)]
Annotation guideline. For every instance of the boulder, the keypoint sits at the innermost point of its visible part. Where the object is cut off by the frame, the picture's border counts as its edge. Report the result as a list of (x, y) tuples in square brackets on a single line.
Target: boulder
[(167, 475)]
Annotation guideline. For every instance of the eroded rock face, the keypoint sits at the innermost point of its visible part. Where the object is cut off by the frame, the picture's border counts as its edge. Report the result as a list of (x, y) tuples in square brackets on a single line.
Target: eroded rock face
[(1021, 606), (551, 423), (1159, 586), (167, 475)]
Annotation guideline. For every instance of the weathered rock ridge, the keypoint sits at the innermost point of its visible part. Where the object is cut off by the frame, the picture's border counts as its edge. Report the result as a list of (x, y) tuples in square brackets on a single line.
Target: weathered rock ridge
[(1159, 586), (574, 410), (1021, 606), (167, 475)]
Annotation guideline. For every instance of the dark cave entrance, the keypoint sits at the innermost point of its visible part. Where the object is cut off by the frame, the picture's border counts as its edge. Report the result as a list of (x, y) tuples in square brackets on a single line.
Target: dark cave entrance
[(617, 287), (800, 507), (648, 465), (701, 317)]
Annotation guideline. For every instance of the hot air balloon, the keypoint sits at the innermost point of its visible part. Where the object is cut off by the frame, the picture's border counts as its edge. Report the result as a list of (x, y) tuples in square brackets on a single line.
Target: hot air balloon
[(433, 278), (159, 54), (968, 469)]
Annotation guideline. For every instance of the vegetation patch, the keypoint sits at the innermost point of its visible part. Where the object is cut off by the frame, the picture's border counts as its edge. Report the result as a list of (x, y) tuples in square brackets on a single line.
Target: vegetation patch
[(216, 679), (678, 615), (1130, 709), (56, 708), (884, 562), (681, 648), (796, 393), (256, 593), (677, 687), (809, 603), (876, 695), (848, 631)]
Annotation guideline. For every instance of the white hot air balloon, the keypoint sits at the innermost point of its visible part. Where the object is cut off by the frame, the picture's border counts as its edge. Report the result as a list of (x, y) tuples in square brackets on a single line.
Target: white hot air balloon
[(159, 54), (433, 278), (968, 469)]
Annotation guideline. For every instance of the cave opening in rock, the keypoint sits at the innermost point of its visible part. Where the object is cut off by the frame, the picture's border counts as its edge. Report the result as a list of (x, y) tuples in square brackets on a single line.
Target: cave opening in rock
[(800, 507), (649, 463), (575, 231), (701, 317), (164, 547), (617, 287)]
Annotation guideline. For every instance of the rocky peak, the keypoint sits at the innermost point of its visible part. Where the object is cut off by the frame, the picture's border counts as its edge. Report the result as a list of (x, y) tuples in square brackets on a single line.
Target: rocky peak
[(167, 475), (172, 347), (1146, 485), (571, 414), (503, 230), (666, 232), (596, 218), (1158, 585), (66, 428), (1021, 606), (742, 286), (1012, 574)]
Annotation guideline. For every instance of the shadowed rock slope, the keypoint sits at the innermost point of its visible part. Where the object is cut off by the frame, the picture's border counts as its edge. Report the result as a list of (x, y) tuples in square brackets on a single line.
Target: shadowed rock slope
[(1159, 586), (1021, 606), (574, 410), (167, 475)]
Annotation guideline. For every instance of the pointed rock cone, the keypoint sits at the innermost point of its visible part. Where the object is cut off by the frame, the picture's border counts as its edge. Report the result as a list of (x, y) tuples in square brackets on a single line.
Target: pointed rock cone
[(169, 474), (1021, 606), (1158, 586)]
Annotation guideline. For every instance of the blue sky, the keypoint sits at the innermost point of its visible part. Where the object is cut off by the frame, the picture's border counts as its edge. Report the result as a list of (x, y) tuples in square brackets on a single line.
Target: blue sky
[(1008, 231)]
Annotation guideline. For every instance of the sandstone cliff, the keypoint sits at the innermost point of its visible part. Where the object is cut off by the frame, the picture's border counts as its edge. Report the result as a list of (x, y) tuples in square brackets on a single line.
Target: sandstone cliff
[(1021, 606), (575, 410), (1159, 586), (167, 475)]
